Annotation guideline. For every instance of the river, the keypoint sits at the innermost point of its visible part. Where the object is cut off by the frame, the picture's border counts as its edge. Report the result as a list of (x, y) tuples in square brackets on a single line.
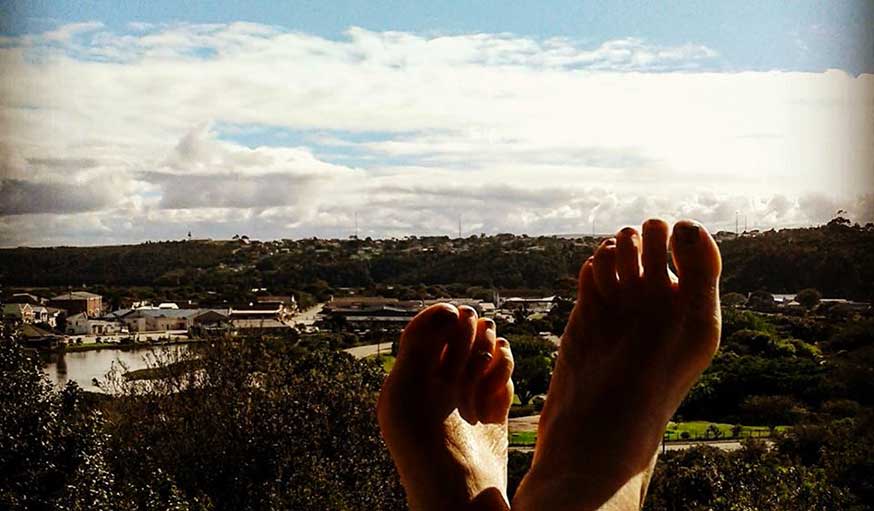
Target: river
[(84, 367)]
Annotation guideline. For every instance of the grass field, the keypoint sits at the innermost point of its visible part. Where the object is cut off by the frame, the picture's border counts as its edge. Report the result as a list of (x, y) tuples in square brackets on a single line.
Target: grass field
[(699, 429), (388, 361), (696, 429), (523, 438)]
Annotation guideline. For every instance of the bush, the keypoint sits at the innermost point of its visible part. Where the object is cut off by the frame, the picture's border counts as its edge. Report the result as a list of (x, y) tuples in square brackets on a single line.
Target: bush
[(259, 426), (52, 448), (809, 298)]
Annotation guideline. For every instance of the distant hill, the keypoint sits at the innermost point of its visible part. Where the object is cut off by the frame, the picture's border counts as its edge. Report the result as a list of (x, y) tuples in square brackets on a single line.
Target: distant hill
[(837, 259)]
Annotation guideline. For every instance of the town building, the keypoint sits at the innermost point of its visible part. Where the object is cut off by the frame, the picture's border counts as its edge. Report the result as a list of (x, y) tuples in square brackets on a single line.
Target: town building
[(158, 320), (75, 302), (25, 298), (82, 324), (46, 315), (18, 313), (530, 305), (34, 337)]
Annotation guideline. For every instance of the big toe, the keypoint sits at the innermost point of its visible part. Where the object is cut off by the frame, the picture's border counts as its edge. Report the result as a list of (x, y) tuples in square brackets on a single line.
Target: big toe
[(424, 339), (698, 263), (696, 257)]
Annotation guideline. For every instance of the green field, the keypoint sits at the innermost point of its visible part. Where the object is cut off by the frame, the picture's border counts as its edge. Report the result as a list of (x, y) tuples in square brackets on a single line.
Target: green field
[(699, 430), (523, 438), (696, 429), (388, 361)]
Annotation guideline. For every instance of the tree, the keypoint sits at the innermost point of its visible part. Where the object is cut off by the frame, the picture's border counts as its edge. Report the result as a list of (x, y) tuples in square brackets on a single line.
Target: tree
[(733, 299), (52, 452), (260, 425), (531, 377), (809, 297), (753, 477), (772, 410), (761, 301), (713, 432)]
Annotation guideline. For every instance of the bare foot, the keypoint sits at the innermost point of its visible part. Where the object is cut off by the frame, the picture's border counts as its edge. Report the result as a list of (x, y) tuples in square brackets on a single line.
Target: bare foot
[(635, 343), (443, 411)]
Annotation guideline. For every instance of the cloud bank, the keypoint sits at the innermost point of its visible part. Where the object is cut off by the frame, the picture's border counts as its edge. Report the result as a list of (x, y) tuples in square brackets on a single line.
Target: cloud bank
[(110, 137)]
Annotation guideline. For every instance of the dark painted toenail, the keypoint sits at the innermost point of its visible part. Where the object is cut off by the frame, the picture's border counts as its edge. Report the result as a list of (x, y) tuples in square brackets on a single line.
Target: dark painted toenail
[(628, 231), (609, 241), (687, 234), (444, 313), (490, 324)]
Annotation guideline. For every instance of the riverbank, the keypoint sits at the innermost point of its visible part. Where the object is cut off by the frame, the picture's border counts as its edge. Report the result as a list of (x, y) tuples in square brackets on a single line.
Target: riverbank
[(75, 348)]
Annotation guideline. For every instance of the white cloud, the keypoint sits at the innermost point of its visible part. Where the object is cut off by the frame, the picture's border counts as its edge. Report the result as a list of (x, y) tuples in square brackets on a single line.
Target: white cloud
[(516, 134)]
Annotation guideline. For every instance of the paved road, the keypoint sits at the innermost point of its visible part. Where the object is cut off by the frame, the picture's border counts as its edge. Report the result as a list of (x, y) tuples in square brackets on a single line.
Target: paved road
[(369, 349)]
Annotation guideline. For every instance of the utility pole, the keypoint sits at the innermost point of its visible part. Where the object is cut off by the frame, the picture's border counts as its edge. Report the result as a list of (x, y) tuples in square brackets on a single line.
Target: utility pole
[(736, 218), (745, 224), (356, 225), (459, 226)]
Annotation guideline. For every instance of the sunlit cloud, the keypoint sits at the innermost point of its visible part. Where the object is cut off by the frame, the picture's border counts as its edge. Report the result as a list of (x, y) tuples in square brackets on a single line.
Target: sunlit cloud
[(145, 134)]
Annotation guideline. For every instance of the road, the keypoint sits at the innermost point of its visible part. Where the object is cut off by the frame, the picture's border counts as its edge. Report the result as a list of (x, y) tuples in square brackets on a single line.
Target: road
[(369, 349)]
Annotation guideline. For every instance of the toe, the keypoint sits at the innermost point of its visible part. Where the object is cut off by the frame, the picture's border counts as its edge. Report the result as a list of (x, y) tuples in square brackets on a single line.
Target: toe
[(696, 258), (628, 257), (481, 356), (495, 390), (458, 345), (605, 269), (655, 253), (586, 289), (425, 337)]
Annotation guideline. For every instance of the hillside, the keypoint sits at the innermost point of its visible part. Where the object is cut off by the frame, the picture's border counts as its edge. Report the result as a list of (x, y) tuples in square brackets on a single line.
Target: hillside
[(837, 259)]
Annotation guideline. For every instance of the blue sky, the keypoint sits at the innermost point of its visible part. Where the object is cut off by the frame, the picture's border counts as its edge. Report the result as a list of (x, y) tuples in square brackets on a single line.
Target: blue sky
[(130, 121), (750, 35)]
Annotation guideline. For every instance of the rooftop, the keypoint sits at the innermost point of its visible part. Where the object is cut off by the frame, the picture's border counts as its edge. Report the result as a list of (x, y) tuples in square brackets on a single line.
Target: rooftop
[(76, 295)]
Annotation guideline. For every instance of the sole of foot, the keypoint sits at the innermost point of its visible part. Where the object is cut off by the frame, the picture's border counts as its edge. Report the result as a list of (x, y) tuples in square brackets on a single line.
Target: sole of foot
[(636, 341), (443, 410)]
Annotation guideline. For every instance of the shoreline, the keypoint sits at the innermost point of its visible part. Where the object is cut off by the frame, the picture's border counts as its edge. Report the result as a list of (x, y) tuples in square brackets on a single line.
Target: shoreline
[(95, 346)]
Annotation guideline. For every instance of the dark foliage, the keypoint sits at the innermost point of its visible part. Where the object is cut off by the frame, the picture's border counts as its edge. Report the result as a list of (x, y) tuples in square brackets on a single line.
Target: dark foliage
[(836, 259), (52, 448), (256, 427)]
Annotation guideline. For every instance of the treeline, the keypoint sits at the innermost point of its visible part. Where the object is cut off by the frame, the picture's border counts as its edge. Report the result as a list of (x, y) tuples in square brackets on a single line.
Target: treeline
[(837, 259), (125, 265)]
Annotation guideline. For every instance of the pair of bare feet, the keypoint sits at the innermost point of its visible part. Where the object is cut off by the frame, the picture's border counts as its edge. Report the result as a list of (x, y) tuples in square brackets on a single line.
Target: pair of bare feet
[(636, 341)]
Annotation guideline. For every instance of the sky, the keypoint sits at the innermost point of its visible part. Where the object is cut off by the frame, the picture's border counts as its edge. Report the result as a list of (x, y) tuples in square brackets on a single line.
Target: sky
[(122, 122)]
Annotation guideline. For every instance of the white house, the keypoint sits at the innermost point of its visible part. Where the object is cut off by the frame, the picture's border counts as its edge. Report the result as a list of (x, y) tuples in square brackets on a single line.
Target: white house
[(81, 324), (47, 315)]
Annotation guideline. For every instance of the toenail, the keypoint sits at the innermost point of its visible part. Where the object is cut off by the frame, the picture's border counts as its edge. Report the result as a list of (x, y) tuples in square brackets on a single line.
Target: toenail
[(628, 231), (687, 233), (484, 355), (445, 313), (610, 241), (490, 324)]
